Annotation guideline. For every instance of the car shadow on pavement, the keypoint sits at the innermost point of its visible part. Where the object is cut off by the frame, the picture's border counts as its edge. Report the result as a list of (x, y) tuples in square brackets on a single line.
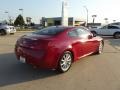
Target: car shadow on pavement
[(14, 72)]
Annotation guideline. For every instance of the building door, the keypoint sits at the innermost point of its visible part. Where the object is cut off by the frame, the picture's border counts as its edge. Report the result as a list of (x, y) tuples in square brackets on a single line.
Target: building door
[(57, 22)]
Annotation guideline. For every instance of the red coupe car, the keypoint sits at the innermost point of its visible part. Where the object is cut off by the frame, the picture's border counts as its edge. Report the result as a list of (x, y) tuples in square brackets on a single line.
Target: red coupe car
[(57, 47)]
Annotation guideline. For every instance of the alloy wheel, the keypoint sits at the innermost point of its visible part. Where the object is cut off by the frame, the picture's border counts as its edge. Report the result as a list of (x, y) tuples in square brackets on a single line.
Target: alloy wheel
[(100, 48), (65, 62), (117, 35)]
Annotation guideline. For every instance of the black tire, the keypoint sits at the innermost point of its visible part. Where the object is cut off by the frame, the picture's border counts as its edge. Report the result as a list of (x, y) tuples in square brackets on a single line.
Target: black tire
[(100, 48), (3, 32), (117, 35), (94, 33), (65, 62), (12, 33)]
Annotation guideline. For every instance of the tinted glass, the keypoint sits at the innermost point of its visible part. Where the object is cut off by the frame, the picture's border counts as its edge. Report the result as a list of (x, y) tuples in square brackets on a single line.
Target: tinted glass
[(113, 27), (79, 32), (82, 32), (73, 33), (104, 27), (49, 31)]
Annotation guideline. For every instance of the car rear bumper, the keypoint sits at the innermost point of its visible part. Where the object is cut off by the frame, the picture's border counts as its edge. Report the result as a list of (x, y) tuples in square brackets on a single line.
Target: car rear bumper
[(9, 31), (34, 57)]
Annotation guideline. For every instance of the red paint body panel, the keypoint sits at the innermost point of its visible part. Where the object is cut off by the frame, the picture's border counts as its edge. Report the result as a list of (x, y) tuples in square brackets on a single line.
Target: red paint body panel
[(44, 51)]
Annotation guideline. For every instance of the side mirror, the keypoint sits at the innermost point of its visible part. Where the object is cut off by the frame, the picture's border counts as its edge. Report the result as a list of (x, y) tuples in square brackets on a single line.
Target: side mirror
[(93, 33), (90, 36)]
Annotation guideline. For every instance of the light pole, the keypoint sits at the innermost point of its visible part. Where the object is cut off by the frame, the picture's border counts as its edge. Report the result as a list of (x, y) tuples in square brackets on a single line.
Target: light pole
[(87, 15), (94, 16), (6, 12), (106, 20), (21, 10), (114, 21)]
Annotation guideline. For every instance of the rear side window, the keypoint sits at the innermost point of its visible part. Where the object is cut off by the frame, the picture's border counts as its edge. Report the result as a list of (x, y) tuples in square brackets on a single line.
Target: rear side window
[(50, 31), (73, 33), (104, 27), (79, 32), (113, 27)]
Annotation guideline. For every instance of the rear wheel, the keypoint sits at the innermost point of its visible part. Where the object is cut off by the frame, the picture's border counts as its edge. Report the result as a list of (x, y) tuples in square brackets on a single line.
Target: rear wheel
[(117, 35), (3, 32), (65, 62)]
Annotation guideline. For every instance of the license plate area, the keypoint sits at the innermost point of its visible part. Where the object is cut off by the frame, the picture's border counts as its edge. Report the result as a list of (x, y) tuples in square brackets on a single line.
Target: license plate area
[(22, 59)]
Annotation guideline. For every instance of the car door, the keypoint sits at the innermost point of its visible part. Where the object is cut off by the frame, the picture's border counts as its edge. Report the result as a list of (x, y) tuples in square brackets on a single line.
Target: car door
[(87, 41), (112, 29), (103, 30), (107, 30), (77, 45), (83, 42)]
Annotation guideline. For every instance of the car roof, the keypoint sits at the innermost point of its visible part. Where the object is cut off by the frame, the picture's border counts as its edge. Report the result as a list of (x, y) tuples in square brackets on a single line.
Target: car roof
[(115, 25), (111, 25)]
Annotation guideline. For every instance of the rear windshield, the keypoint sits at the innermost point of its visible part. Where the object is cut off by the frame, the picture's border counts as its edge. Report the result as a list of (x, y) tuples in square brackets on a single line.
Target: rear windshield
[(50, 31)]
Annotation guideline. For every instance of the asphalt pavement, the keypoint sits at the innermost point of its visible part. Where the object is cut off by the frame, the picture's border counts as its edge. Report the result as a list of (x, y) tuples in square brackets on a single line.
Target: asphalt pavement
[(95, 72)]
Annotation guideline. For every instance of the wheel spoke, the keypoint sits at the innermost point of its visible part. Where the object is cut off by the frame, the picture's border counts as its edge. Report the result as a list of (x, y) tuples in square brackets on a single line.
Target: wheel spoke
[(62, 60), (69, 59), (62, 64), (64, 57), (67, 55), (68, 63)]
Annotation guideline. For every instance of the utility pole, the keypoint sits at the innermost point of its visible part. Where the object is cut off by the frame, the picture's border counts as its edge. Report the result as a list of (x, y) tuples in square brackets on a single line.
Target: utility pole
[(6, 12), (114, 21), (106, 20), (21, 11)]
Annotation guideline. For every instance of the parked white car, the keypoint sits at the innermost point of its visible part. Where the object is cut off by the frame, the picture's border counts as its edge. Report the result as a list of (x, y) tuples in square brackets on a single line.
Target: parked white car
[(6, 29), (108, 30)]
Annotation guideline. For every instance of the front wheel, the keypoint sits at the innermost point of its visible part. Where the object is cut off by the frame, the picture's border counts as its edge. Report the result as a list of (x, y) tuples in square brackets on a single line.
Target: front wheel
[(65, 62), (117, 35), (3, 32), (100, 48)]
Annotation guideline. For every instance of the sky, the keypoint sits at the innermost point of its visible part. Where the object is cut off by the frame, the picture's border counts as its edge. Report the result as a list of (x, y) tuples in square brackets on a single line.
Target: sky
[(52, 8)]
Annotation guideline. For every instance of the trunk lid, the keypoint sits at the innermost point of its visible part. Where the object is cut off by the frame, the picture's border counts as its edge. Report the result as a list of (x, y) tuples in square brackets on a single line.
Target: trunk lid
[(35, 41)]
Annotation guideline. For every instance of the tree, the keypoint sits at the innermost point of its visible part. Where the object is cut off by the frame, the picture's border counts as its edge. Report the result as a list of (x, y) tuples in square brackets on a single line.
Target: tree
[(19, 21), (32, 24)]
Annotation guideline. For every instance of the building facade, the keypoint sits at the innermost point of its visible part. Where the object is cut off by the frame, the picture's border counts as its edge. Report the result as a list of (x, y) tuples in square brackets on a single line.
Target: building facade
[(57, 21)]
